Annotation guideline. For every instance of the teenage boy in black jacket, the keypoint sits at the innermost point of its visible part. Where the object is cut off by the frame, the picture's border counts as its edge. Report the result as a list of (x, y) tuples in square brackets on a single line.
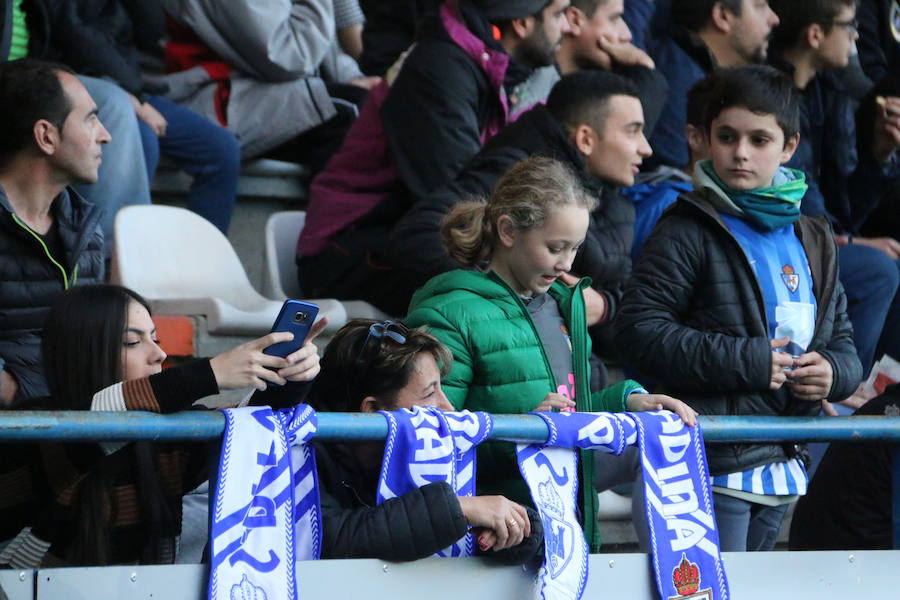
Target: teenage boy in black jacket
[(593, 122)]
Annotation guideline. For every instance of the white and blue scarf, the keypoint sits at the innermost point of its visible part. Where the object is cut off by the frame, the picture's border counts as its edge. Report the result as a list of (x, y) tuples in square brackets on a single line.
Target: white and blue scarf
[(424, 445), (684, 539), (266, 514)]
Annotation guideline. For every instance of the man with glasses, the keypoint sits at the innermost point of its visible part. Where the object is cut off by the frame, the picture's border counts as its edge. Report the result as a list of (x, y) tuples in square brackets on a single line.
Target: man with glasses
[(813, 41)]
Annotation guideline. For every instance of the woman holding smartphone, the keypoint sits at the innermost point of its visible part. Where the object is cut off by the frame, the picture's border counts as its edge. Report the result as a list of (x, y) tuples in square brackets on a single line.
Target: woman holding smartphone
[(115, 503)]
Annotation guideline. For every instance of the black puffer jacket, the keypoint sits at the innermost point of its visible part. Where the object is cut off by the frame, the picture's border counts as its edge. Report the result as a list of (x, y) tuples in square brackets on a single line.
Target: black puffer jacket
[(412, 526), (605, 256), (692, 318), (30, 280)]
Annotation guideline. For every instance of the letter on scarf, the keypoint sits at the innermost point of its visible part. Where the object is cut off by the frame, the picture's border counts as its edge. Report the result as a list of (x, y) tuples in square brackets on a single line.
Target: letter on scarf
[(425, 445), (266, 514), (684, 540)]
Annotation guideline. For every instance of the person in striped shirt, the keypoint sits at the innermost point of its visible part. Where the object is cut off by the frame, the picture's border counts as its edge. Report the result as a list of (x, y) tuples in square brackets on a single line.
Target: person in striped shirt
[(735, 305)]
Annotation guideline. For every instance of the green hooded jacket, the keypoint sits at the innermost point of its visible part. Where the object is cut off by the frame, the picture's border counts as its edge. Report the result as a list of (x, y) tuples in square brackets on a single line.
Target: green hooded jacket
[(500, 366)]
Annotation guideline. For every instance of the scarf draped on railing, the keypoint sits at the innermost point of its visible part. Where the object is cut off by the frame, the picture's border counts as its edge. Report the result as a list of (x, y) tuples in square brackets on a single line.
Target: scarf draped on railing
[(424, 445), (255, 543), (683, 536)]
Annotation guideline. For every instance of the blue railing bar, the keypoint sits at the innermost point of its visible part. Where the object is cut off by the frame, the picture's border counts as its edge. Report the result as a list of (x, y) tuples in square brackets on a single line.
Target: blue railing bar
[(208, 425)]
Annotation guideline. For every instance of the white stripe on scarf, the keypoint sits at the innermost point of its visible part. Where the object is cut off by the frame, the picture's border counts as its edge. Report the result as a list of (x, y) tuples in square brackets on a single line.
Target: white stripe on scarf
[(684, 540), (266, 514), (425, 445)]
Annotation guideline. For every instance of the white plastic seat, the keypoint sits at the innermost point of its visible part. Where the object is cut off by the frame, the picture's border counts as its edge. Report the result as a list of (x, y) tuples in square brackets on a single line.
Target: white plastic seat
[(183, 265), (280, 276)]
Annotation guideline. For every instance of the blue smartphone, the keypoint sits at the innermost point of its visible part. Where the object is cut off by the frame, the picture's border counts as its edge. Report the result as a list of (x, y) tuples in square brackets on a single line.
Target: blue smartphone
[(297, 317)]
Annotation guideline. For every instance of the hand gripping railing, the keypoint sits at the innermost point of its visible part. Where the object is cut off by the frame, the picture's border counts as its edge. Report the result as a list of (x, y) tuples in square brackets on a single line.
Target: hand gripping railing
[(44, 426)]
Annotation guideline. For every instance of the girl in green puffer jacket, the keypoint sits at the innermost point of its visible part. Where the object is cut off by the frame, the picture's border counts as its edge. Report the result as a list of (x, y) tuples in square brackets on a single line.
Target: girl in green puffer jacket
[(518, 333)]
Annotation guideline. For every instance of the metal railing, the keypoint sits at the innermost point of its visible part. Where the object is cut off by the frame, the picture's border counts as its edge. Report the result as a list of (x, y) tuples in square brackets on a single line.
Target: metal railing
[(33, 426)]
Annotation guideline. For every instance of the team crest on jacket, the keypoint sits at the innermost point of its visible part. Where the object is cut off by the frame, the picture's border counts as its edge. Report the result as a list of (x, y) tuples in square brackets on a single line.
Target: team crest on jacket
[(686, 578), (790, 278)]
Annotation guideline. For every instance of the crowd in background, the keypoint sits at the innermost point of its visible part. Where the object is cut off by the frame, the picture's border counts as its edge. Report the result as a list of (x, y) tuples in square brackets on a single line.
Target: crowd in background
[(706, 192)]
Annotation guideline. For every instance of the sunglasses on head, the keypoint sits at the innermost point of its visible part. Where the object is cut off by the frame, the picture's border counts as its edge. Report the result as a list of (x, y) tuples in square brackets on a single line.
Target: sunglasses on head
[(393, 330)]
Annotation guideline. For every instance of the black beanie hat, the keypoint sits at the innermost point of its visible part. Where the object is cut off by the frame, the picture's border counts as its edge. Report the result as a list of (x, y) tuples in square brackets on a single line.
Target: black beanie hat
[(505, 10)]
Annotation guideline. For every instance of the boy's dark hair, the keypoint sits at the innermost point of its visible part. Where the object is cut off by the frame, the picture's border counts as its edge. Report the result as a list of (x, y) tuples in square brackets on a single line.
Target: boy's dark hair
[(761, 89), (795, 16), (693, 14), (583, 98), (30, 90), (698, 98)]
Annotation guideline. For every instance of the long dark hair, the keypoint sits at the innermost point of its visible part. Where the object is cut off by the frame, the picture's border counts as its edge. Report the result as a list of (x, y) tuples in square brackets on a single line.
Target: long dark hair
[(82, 348)]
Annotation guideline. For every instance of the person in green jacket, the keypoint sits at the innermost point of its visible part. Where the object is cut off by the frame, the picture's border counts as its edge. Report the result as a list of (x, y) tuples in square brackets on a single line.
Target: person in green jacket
[(516, 324)]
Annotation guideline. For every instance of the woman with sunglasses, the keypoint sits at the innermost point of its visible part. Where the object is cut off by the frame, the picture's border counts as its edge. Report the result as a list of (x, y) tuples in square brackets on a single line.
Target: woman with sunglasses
[(115, 503), (371, 366)]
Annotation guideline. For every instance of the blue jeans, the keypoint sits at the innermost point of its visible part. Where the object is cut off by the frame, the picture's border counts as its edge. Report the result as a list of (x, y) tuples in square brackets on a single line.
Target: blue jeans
[(746, 526), (205, 151), (870, 278), (123, 173)]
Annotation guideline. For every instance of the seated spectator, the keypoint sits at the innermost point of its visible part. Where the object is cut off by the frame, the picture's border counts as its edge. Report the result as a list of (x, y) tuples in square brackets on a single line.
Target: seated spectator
[(846, 175), (599, 38), (592, 123), (639, 17), (735, 304), (348, 21), (879, 38), (240, 63), (515, 329), (848, 505), (121, 182), (701, 35), (371, 366), (879, 54), (456, 89), (97, 38), (661, 188), (50, 239), (390, 30), (117, 503)]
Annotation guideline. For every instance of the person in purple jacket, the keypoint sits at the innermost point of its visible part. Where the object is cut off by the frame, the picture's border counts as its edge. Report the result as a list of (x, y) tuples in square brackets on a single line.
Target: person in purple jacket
[(476, 66)]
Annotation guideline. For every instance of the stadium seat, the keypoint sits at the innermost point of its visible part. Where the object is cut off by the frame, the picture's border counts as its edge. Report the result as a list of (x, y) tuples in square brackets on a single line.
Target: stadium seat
[(183, 265), (280, 278), (260, 178), (280, 268)]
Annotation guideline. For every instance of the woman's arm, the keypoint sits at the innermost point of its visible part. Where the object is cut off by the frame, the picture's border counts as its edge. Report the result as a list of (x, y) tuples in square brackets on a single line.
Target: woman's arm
[(426, 520), (412, 526), (174, 389)]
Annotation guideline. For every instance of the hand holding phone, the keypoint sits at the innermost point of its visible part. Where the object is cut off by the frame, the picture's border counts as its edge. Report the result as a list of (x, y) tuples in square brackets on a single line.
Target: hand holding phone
[(296, 317)]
